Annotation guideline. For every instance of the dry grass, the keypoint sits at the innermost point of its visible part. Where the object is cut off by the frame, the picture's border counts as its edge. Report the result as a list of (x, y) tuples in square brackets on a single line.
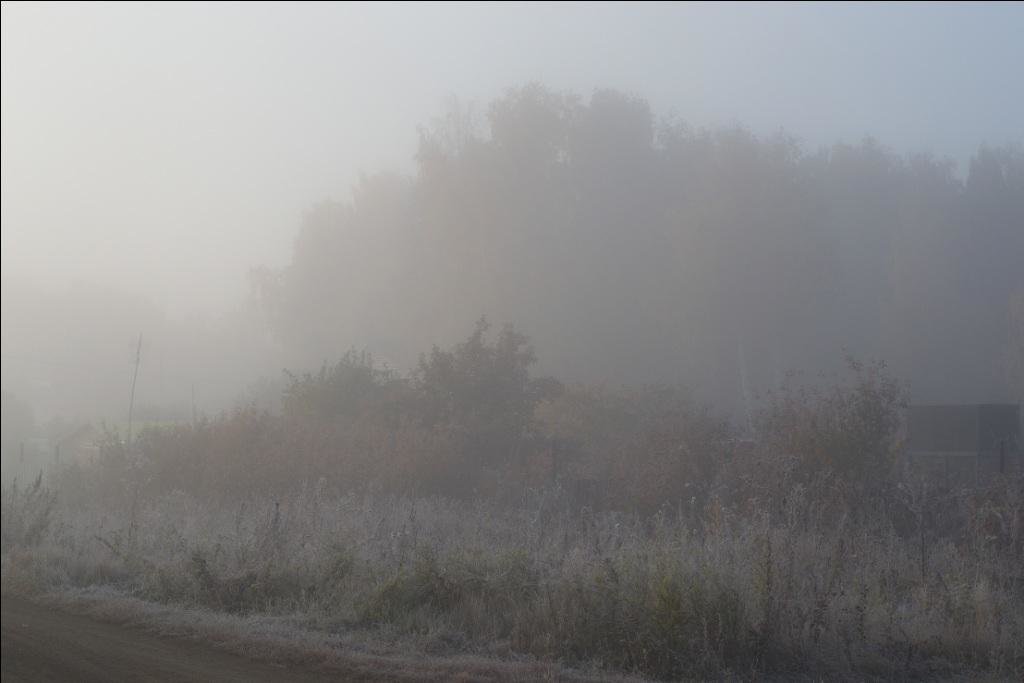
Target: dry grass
[(731, 597), (284, 641)]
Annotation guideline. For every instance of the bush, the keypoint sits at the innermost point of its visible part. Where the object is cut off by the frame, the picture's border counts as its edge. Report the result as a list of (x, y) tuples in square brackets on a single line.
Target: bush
[(632, 449), (484, 390), (851, 429), (27, 514), (351, 389)]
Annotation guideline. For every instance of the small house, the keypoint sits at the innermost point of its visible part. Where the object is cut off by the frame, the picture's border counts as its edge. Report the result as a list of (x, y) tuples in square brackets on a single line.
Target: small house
[(964, 443)]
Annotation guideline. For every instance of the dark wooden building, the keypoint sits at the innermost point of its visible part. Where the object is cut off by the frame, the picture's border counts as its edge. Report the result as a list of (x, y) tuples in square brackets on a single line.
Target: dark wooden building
[(965, 443)]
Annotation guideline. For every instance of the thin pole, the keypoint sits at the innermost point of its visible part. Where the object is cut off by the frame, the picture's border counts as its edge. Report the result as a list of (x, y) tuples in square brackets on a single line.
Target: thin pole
[(135, 376)]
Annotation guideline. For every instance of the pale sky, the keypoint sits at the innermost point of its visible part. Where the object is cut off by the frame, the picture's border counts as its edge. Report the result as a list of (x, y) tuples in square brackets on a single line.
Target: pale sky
[(168, 148)]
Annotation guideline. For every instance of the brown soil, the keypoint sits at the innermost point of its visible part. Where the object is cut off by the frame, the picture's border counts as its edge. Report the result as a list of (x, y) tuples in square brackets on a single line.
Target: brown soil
[(41, 644)]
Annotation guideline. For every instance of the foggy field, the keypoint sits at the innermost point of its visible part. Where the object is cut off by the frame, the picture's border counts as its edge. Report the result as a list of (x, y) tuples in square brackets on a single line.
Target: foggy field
[(375, 509), (549, 341), (661, 597)]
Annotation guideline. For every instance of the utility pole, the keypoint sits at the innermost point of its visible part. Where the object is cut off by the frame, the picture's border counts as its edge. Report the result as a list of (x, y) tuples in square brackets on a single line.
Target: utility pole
[(135, 376)]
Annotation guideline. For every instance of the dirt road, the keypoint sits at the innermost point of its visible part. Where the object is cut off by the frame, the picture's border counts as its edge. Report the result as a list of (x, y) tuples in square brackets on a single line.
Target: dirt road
[(40, 644)]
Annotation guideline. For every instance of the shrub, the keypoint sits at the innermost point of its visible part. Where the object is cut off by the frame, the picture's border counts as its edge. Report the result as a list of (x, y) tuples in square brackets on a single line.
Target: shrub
[(851, 429), (484, 389), (632, 449), (27, 514)]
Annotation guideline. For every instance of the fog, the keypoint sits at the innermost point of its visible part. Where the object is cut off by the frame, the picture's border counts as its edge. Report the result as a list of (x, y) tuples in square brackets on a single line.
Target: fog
[(650, 193), (512, 341)]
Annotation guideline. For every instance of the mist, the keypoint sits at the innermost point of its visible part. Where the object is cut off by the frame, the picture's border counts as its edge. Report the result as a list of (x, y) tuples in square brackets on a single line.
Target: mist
[(628, 186), (513, 341), (169, 150)]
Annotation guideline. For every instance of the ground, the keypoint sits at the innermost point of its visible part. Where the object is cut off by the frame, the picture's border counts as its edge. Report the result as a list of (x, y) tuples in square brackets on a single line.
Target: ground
[(42, 644), (109, 640)]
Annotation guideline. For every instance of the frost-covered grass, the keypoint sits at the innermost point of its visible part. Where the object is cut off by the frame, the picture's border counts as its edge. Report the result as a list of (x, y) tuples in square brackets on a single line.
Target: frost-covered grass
[(733, 596), (286, 641)]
